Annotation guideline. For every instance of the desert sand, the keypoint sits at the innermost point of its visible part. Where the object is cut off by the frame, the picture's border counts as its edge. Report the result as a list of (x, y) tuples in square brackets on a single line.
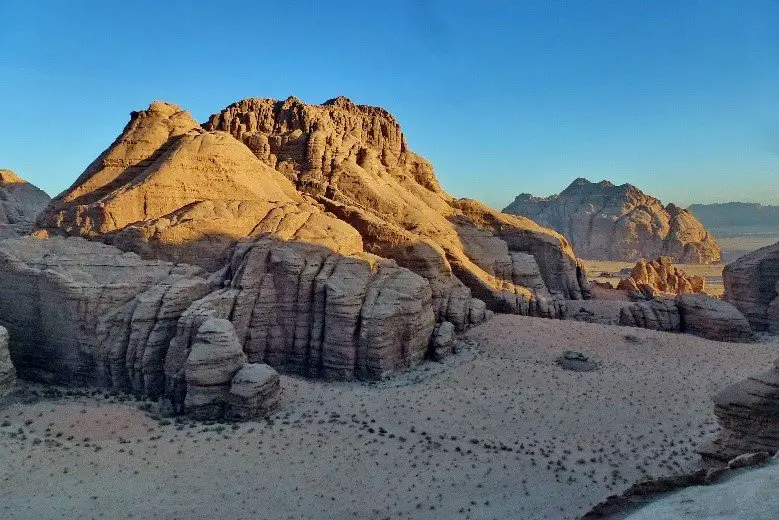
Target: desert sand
[(497, 430)]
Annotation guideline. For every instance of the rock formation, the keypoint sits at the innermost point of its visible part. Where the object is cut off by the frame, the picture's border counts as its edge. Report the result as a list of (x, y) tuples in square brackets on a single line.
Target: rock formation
[(336, 175), (85, 313), (695, 314), (20, 203), (748, 412), (608, 222), (7, 372), (752, 285), (254, 391), (660, 277)]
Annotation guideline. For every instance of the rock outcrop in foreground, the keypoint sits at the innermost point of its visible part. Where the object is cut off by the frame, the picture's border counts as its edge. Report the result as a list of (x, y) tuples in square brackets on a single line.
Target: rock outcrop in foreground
[(752, 285), (748, 412), (695, 314), (660, 277), (337, 175), (7, 372), (85, 313), (608, 222), (20, 203)]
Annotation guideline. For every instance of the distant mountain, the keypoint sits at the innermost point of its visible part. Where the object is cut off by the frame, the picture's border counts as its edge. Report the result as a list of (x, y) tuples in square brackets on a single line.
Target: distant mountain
[(736, 214), (607, 222)]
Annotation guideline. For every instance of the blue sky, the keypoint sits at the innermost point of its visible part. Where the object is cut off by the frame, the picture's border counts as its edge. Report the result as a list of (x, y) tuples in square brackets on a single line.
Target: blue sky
[(680, 97)]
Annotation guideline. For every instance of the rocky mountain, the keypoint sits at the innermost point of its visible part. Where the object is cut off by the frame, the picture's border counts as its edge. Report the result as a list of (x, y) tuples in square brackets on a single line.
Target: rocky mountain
[(337, 175), (608, 222), (20, 203), (660, 277), (736, 214)]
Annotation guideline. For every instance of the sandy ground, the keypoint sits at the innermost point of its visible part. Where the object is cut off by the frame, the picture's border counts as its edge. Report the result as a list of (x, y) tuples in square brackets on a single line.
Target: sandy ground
[(609, 271), (495, 431)]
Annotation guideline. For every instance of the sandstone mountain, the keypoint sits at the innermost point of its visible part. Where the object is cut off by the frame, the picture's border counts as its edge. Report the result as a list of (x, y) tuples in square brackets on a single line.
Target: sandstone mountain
[(337, 175), (608, 222), (20, 203), (752, 285)]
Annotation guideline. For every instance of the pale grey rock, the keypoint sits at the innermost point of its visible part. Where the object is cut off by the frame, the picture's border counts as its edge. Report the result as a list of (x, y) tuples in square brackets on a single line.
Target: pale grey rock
[(213, 361), (752, 285), (657, 314), (7, 371), (20, 203), (443, 339), (254, 391), (712, 319), (746, 460), (748, 412)]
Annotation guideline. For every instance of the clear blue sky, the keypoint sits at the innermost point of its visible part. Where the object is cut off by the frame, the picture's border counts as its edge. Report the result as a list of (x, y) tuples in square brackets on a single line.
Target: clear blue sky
[(678, 97)]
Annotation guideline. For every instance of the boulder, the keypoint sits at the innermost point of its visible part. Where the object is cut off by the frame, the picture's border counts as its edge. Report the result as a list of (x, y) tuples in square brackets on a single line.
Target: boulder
[(712, 319), (607, 222), (443, 339), (752, 285), (695, 314), (20, 203), (7, 372), (656, 314), (213, 361), (254, 391), (748, 412)]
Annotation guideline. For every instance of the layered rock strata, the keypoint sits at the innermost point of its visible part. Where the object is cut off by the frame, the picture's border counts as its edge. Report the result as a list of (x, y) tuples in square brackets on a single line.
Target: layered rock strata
[(20, 203), (752, 285), (85, 313), (337, 175), (695, 314), (7, 371), (748, 412), (608, 222), (660, 277)]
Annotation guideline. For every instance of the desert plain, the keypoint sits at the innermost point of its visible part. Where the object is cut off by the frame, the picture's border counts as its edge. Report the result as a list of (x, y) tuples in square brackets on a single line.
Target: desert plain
[(496, 430)]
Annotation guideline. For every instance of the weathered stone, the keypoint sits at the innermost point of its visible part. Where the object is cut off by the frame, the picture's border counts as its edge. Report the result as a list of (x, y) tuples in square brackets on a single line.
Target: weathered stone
[(254, 391), (752, 285), (7, 372), (660, 277), (576, 362), (213, 361), (20, 203), (337, 175), (609, 222), (748, 412), (747, 460), (443, 339), (712, 319), (656, 314)]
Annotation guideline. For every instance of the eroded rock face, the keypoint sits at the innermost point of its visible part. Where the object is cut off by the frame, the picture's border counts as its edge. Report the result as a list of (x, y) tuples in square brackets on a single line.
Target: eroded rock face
[(337, 175), (85, 313), (712, 319), (20, 203), (752, 285), (660, 277), (695, 314), (7, 372), (608, 222), (254, 391), (748, 412)]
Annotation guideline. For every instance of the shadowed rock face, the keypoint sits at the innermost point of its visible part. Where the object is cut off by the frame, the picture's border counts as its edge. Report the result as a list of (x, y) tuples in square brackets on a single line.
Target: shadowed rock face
[(336, 175), (85, 313), (7, 372), (608, 222), (748, 412), (752, 285), (695, 314), (20, 203)]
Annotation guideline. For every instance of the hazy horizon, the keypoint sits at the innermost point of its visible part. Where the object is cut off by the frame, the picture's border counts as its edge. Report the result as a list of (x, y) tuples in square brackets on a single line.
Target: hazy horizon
[(676, 98)]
